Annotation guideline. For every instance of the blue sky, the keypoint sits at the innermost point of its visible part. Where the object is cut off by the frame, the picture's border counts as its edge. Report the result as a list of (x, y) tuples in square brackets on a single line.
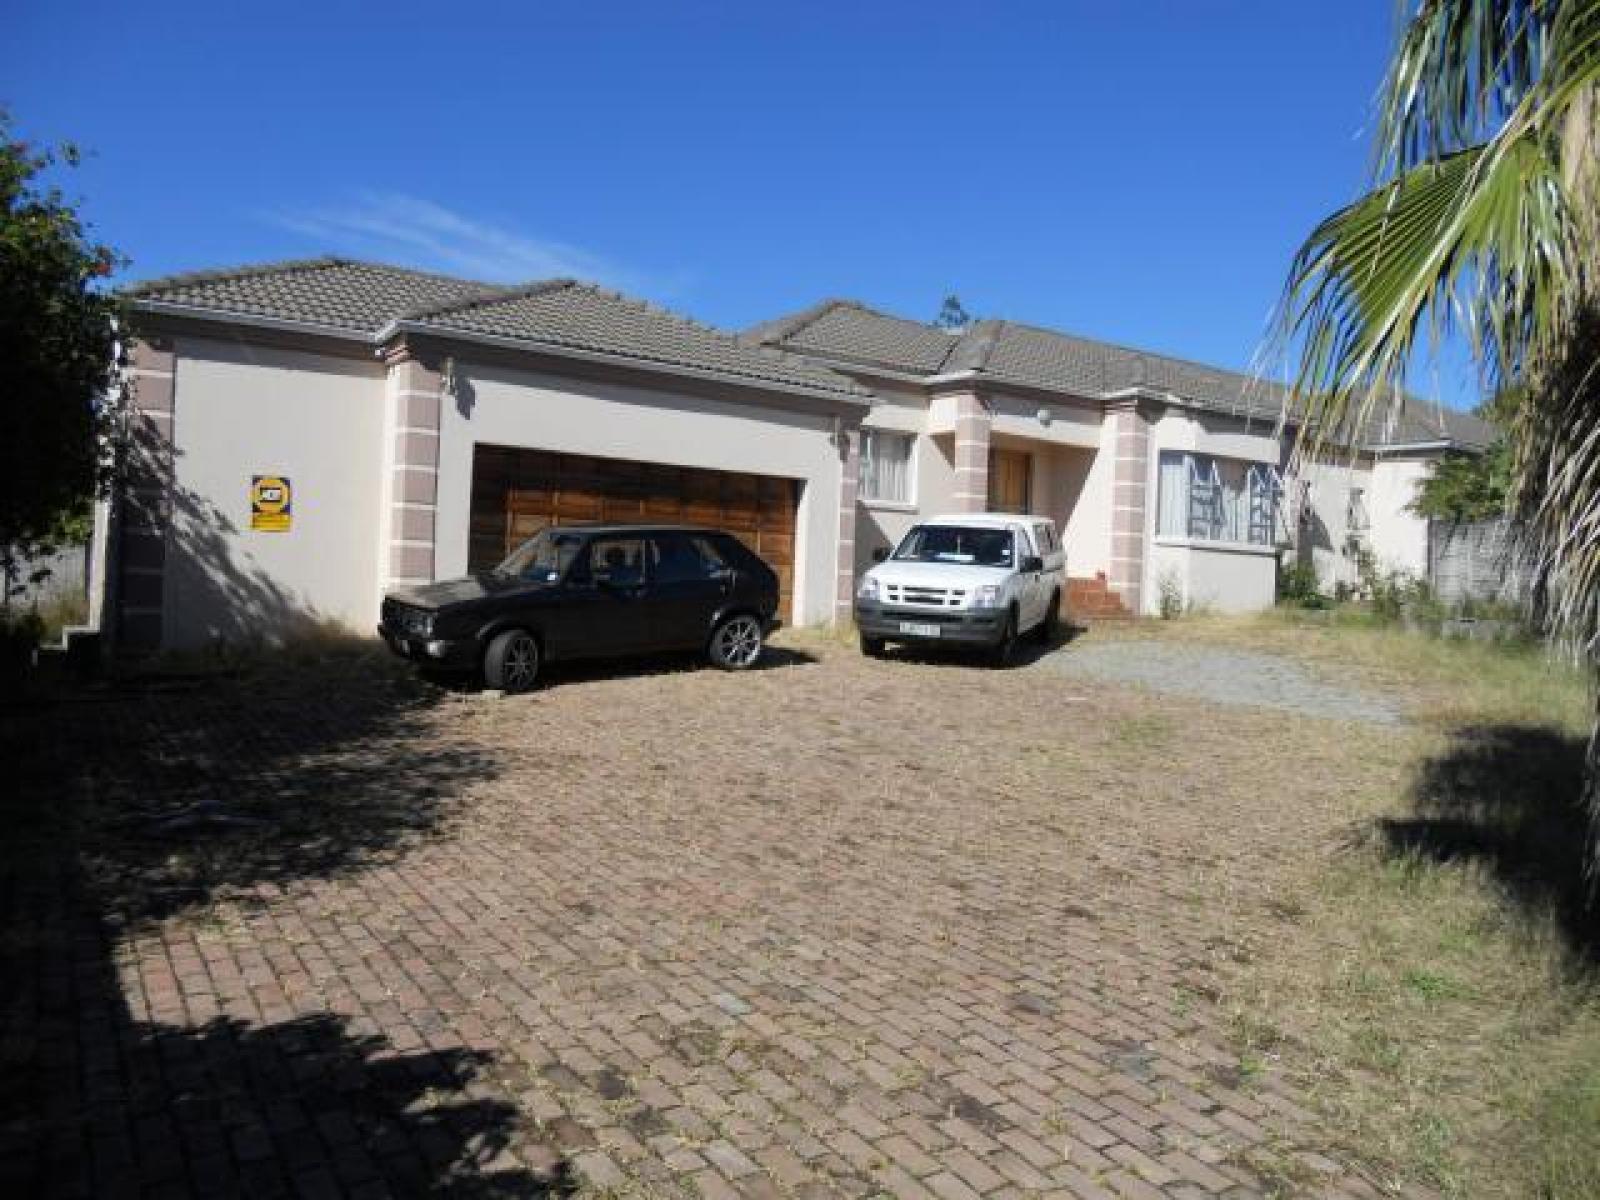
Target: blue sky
[(1139, 172)]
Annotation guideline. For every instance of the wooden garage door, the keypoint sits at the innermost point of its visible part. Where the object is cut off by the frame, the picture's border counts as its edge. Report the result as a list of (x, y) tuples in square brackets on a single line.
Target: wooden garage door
[(516, 493)]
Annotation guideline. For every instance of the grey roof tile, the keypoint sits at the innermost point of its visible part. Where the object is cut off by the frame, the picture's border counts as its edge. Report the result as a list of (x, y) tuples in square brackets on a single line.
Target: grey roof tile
[(365, 298), (335, 292), (579, 316), (852, 332)]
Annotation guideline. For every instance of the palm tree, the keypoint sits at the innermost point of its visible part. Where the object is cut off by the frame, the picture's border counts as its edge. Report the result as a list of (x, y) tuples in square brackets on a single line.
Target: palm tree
[(1483, 219)]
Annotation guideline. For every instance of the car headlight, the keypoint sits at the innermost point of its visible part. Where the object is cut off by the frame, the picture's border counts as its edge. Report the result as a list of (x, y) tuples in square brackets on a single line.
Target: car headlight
[(986, 595), (868, 589)]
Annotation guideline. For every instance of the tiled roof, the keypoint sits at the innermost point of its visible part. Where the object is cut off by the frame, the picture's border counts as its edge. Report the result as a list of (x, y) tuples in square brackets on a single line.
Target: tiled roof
[(334, 292), (366, 298), (579, 316), (852, 332), (1031, 356)]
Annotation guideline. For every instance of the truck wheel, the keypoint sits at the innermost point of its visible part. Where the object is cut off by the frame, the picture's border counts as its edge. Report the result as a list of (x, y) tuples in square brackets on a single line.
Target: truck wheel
[(512, 662), (1003, 651), (872, 647), (1049, 629)]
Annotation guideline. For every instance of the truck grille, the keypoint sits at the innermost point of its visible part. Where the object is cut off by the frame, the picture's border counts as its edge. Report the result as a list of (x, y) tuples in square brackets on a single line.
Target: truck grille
[(930, 597)]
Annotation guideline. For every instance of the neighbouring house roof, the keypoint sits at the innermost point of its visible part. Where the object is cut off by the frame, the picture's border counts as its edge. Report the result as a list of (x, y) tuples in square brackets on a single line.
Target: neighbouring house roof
[(1006, 352), (373, 301)]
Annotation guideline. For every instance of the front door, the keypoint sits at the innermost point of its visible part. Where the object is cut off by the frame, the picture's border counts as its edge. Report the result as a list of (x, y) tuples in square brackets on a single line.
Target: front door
[(1010, 480)]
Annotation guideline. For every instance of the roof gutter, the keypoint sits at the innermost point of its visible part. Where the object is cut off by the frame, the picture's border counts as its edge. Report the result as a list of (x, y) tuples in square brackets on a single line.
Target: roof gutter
[(1403, 447), (165, 308), (395, 328)]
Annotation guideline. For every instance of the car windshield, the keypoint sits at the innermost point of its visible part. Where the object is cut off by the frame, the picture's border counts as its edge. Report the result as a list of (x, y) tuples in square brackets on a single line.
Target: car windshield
[(544, 557), (956, 544)]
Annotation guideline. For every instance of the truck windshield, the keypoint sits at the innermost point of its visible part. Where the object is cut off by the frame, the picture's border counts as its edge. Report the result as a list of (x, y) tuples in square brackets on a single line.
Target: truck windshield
[(956, 544), (545, 556)]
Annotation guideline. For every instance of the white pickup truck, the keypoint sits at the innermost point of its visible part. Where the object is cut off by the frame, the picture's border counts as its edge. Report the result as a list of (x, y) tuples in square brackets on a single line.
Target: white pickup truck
[(981, 579)]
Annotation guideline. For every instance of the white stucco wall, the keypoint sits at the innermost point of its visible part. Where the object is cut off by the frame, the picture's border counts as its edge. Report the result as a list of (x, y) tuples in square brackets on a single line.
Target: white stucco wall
[(1325, 540), (1399, 536), (243, 410), (1214, 577), (1065, 424), (881, 524), (504, 407), (1220, 577)]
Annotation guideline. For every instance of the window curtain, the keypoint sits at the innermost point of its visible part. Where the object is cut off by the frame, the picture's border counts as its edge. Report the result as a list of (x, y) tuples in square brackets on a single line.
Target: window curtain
[(1172, 494), (886, 466)]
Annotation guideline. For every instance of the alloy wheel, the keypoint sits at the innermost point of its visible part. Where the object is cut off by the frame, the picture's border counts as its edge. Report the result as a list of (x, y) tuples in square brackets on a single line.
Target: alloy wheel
[(737, 642), (522, 663)]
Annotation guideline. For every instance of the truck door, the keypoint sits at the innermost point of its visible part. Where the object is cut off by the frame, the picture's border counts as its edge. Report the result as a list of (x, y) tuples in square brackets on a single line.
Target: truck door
[(1029, 603)]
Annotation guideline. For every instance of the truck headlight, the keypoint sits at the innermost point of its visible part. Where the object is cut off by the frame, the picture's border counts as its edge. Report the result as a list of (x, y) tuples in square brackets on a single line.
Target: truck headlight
[(986, 595), (868, 589)]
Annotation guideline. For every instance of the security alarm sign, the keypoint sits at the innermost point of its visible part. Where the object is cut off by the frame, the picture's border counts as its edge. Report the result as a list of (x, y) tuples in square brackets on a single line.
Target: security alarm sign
[(271, 509)]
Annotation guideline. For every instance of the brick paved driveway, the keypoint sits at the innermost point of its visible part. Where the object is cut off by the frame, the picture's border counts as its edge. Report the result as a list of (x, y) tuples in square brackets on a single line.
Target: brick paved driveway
[(832, 928)]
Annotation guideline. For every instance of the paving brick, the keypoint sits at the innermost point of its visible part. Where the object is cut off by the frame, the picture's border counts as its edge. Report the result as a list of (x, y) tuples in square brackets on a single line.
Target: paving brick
[(504, 933)]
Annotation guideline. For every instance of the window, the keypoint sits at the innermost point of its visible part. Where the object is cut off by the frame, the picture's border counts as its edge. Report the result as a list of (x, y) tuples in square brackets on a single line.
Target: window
[(681, 559), (886, 465), (617, 561), (966, 545), (1355, 514), (543, 557), (1217, 499)]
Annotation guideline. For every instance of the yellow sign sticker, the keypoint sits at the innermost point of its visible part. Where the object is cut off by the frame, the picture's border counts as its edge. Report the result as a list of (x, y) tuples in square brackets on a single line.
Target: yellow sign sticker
[(270, 503)]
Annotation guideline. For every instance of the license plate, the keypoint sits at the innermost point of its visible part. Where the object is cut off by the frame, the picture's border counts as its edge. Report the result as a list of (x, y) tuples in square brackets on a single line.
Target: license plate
[(917, 629)]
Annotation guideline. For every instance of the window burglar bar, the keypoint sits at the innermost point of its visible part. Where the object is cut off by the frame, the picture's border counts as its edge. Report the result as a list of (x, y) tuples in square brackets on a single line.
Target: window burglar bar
[(1205, 499), (1266, 499)]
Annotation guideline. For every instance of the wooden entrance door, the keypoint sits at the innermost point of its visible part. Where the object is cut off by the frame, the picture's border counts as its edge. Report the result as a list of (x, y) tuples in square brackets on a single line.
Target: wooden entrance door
[(1010, 480)]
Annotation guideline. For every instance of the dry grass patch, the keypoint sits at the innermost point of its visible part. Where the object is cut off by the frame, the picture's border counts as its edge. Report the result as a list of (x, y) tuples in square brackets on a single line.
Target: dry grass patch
[(1434, 989)]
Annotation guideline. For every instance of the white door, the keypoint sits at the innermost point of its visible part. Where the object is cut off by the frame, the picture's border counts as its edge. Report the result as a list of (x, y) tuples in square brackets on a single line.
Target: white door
[(1030, 602)]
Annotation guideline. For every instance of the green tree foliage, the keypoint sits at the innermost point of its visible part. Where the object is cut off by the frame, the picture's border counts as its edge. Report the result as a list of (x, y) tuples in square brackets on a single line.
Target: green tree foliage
[(60, 376), (1473, 487), (1466, 487)]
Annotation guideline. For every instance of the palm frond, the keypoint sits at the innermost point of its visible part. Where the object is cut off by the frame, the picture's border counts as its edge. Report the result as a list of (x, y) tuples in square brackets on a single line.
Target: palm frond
[(1458, 68), (1480, 240)]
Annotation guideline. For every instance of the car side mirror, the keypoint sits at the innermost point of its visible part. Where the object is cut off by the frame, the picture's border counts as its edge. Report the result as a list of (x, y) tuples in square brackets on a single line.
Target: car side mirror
[(880, 554), (1032, 563)]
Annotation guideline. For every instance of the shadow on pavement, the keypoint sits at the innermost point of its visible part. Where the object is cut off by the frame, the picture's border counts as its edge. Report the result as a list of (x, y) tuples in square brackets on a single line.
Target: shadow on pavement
[(134, 802)]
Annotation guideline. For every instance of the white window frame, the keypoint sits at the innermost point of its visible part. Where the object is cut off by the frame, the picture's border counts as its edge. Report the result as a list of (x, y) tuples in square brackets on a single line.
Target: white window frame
[(869, 440), (1204, 469)]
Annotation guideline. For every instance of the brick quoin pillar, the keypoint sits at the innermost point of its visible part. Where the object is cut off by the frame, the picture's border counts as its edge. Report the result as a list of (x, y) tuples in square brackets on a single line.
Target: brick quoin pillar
[(145, 518), (414, 471), (1130, 487), (972, 455), (845, 563)]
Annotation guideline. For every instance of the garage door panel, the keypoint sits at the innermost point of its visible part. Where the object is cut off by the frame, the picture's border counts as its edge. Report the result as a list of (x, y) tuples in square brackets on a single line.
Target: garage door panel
[(516, 493), (776, 548)]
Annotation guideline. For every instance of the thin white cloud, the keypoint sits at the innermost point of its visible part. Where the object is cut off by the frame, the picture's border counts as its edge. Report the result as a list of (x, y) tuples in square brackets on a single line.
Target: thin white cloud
[(410, 231)]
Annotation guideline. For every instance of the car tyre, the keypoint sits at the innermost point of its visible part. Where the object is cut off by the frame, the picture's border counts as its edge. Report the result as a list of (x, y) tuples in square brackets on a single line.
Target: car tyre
[(872, 647), (512, 662), (1049, 628), (736, 643), (1003, 651)]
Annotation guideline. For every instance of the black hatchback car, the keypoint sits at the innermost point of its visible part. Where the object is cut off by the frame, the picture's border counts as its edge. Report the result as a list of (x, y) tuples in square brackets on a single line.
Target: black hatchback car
[(591, 592)]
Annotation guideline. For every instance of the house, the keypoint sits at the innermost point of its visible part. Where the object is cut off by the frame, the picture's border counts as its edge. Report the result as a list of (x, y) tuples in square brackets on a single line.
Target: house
[(1159, 470), (311, 434)]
